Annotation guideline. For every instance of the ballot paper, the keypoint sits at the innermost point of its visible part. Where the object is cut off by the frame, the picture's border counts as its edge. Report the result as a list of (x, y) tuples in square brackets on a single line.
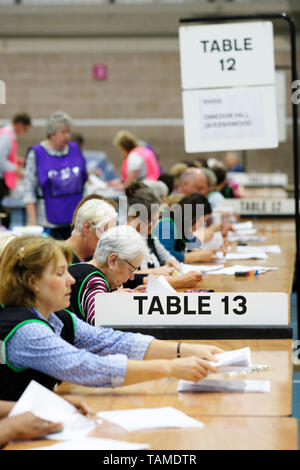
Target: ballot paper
[(215, 242), (21, 230), (250, 231), (92, 443), (274, 249), (201, 268), (242, 238), (159, 285), (150, 418), (231, 270), (243, 226), (49, 406), (236, 256), (207, 385), (233, 361)]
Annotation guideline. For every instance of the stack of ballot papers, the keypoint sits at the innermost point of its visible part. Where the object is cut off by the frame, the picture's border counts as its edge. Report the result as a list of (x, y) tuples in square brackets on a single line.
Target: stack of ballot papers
[(159, 285), (201, 268), (242, 226), (231, 270), (224, 386), (93, 443), (150, 418), (49, 406), (250, 254), (215, 242), (242, 237), (274, 249), (238, 360)]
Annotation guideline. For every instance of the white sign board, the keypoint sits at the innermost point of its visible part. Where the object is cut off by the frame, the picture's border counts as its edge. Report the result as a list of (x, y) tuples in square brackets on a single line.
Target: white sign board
[(227, 55), (258, 179), (228, 82), (235, 119), (180, 309), (274, 207)]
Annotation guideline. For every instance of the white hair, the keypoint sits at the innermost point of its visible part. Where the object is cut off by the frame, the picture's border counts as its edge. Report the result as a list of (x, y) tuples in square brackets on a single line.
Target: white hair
[(159, 188), (123, 240), (56, 120), (98, 212)]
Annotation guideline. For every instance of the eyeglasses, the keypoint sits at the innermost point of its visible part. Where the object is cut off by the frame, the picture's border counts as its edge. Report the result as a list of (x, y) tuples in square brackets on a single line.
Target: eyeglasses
[(131, 265)]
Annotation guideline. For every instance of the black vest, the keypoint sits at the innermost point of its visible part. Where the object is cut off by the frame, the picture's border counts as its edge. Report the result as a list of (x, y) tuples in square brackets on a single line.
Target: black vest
[(13, 382), (81, 273)]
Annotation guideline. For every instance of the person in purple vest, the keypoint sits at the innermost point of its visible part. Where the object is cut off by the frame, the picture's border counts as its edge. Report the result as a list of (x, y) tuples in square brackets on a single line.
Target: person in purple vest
[(55, 175)]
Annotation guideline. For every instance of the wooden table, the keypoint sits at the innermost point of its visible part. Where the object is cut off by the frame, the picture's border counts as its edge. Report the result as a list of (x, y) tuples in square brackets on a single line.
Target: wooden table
[(218, 433)]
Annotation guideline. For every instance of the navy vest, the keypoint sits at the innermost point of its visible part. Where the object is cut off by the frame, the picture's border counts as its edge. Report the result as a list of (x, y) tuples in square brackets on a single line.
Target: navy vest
[(13, 382), (62, 180)]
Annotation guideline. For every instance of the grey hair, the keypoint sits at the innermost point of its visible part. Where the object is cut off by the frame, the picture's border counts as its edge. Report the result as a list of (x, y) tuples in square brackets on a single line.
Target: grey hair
[(56, 120), (210, 176), (98, 212), (123, 240)]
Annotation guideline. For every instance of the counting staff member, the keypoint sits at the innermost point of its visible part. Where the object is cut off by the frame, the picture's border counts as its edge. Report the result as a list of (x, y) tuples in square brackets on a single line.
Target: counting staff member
[(115, 261), (175, 230), (92, 219), (139, 195), (50, 348)]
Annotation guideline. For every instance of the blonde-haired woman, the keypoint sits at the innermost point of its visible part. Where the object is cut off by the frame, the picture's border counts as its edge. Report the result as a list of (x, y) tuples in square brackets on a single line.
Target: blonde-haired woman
[(52, 347)]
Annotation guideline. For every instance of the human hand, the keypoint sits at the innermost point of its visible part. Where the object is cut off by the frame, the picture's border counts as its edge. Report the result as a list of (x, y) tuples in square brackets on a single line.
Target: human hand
[(190, 279), (29, 426), (207, 255), (203, 351), (190, 368), (19, 172), (173, 263), (141, 288), (79, 403)]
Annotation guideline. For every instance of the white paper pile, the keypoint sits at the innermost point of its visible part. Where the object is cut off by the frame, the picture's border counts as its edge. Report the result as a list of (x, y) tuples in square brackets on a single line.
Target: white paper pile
[(236, 256), (231, 270), (207, 385), (274, 249), (232, 361), (49, 406), (215, 242), (150, 418), (201, 268), (159, 285), (243, 226), (243, 238)]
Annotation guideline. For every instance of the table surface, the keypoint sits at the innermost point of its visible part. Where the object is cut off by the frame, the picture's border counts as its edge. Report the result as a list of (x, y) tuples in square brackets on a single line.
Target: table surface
[(218, 433), (232, 420)]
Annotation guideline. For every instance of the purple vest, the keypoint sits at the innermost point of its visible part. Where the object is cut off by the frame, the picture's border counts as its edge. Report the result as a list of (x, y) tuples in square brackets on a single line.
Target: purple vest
[(62, 180)]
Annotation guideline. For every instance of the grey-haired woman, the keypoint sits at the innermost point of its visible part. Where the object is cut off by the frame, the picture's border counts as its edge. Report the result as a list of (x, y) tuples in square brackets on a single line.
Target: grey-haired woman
[(55, 175)]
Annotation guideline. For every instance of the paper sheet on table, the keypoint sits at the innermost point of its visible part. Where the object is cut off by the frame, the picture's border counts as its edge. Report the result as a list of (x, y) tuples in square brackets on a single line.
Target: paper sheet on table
[(207, 385), (159, 284), (233, 361), (231, 270), (215, 242), (243, 226), (242, 238), (237, 256), (250, 231), (50, 406), (150, 418), (92, 443), (275, 249), (201, 268)]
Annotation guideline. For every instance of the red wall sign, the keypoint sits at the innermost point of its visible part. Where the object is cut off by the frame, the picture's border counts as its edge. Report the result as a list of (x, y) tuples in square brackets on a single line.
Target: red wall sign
[(100, 71)]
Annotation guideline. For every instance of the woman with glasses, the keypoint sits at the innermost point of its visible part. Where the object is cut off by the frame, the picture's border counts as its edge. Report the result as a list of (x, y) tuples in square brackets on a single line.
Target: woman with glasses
[(91, 220), (50, 347), (117, 257)]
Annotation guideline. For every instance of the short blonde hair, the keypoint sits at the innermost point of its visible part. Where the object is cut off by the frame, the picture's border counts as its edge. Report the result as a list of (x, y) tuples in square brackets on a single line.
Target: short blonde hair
[(125, 140), (23, 258)]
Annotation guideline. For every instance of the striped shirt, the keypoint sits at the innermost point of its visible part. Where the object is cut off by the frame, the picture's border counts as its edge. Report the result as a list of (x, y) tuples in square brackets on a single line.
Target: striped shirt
[(95, 285)]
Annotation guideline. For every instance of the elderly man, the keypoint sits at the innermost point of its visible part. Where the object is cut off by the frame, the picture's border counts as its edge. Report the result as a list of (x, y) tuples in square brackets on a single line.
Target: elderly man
[(201, 181)]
